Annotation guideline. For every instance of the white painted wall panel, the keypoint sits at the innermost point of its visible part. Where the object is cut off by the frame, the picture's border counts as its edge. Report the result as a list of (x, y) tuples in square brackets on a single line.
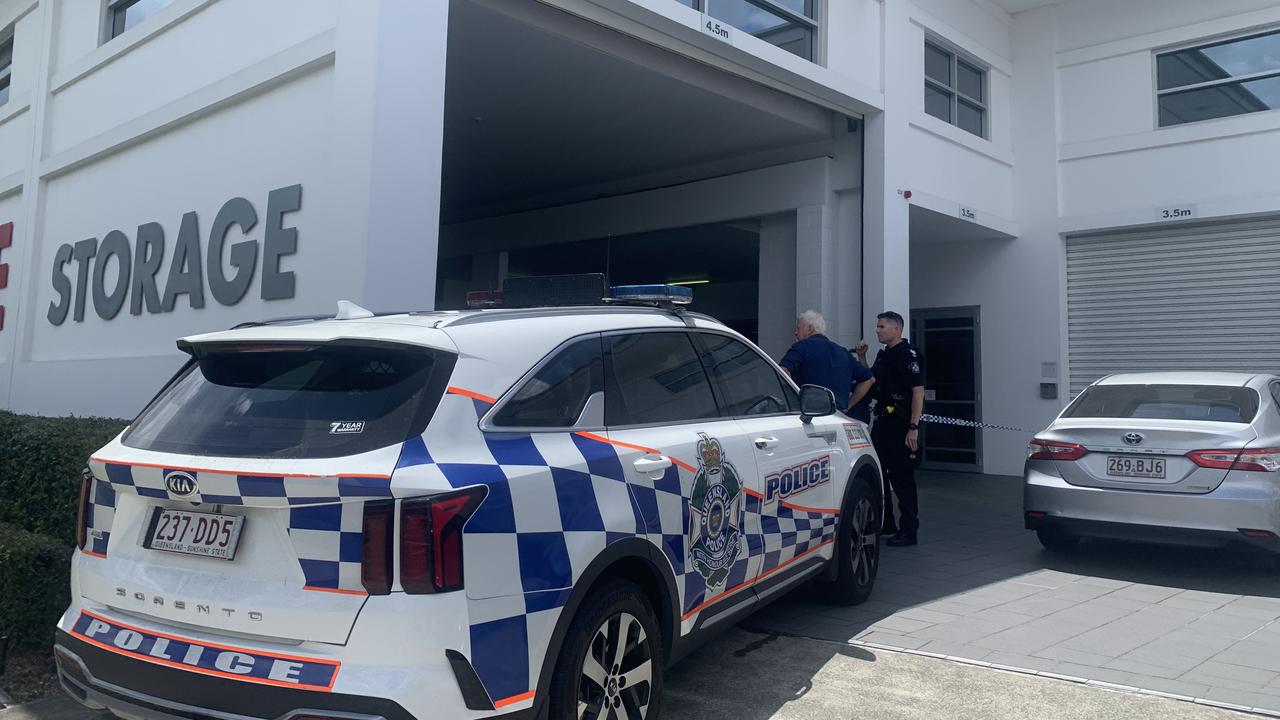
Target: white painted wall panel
[(224, 37), (1113, 96)]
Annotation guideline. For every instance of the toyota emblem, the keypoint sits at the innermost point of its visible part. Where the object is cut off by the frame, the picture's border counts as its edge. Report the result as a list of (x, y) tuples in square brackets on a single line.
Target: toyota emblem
[(181, 484), (1133, 438)]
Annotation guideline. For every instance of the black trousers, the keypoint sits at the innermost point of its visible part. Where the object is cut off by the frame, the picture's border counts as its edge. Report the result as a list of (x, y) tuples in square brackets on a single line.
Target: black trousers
[(889, 436)]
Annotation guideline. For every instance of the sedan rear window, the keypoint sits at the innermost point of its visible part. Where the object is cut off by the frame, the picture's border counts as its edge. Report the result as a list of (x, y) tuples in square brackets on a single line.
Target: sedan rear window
[(294, 400), (1210, 403)]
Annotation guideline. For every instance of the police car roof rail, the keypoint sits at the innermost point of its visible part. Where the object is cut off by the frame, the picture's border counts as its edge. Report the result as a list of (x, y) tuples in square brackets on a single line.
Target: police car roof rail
[(498, 314)]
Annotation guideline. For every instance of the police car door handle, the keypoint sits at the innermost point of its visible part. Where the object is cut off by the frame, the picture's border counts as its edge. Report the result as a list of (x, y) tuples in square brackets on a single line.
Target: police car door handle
[(650, 464), (767, 442)]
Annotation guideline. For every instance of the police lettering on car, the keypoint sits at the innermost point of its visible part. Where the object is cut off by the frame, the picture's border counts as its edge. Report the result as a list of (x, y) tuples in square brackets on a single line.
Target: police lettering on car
[(899, 403)]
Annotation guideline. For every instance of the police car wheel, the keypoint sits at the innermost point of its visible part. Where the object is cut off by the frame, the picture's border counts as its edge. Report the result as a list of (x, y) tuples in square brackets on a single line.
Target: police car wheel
[(611, 663), (857, 547)]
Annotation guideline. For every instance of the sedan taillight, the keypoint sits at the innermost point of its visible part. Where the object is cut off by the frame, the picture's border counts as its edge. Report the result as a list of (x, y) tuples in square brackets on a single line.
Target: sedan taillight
[(1252, 459), (1054, 450)]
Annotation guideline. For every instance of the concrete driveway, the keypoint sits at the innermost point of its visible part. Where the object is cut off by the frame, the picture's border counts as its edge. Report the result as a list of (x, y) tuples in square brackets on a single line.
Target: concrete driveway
[(1189, 623)]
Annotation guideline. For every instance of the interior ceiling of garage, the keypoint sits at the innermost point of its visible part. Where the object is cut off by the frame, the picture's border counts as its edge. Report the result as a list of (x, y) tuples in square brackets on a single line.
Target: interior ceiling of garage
[(536, 118)]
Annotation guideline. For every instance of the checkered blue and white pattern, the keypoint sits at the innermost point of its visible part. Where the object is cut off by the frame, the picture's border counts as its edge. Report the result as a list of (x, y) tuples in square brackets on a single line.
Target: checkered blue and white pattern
[(555, 502), (791, 533), (99, 514), (325, 512)]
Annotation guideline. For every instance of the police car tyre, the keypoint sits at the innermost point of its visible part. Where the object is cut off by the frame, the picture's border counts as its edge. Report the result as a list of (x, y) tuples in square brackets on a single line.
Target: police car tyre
[(857, 554), (1056, 539), (612, 660)]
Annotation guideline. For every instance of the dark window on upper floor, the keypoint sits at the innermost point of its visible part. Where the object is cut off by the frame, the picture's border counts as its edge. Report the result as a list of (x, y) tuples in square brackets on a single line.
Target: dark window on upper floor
[(6, 65), (790, 24), (955, 89), (1232, 77), (124, 14)]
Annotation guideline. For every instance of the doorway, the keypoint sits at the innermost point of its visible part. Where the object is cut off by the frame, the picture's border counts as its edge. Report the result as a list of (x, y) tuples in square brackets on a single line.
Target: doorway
[(948, 338)]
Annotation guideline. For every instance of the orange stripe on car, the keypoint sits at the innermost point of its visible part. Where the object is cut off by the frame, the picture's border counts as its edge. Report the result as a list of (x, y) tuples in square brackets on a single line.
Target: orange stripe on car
[(192, 641), (731, 591), (641, 448), (312, 588), (372, 476), (471, 394), (513, 699)]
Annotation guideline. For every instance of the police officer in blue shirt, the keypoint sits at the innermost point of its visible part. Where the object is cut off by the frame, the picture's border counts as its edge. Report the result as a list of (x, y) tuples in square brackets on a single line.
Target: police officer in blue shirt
[(815, 360), (899, 397)]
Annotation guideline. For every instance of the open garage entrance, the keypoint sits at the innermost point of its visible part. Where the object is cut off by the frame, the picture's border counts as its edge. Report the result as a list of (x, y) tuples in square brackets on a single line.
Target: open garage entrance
[(569, 147)]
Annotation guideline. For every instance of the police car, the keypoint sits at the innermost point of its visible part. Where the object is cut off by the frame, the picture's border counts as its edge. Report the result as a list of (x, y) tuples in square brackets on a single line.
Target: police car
[(492, 513)]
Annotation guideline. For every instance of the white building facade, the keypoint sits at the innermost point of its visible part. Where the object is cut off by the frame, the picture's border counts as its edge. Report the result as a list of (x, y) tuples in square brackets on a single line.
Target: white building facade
[(1048, 191)]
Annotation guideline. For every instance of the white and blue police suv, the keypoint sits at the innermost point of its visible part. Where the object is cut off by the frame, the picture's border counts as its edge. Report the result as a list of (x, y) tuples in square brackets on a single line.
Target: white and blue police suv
[(492, 513)]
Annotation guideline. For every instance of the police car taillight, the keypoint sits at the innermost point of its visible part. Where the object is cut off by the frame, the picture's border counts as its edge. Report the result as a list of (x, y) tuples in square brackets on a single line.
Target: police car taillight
[(375, 562), (82, 512), (431, 540)]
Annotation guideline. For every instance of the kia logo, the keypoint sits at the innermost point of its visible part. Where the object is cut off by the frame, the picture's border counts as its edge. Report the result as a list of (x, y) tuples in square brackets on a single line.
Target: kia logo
[(181, 484), (1132, 438)]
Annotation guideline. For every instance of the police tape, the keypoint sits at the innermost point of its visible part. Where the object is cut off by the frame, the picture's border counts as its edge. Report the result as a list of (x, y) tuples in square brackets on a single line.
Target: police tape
[(940, 420)]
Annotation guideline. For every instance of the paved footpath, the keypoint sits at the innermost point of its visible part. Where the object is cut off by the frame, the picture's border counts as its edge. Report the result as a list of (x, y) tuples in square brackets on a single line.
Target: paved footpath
[(1192, 623), (752, 676)]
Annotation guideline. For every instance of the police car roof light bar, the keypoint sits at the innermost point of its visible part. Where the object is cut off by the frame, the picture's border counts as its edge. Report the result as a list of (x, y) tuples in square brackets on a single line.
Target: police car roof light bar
[(672, 298)]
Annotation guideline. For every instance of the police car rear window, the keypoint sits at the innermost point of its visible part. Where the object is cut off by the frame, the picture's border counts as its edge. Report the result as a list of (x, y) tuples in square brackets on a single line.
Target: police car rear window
[(1206, 403), (294, 400)]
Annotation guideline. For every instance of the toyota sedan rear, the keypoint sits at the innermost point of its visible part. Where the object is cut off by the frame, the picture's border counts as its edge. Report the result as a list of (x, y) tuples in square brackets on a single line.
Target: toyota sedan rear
[(1181, 458)]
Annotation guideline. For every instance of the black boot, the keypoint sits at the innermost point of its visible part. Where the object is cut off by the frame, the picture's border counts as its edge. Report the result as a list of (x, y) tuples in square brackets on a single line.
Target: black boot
[(887, 526), (902, 539)]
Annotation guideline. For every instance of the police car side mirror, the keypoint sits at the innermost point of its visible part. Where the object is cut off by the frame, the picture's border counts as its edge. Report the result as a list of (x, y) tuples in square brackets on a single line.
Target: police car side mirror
[(816, 401)]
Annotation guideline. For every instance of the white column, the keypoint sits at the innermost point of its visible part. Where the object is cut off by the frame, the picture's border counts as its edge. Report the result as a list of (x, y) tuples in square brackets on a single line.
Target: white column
[(389, 101), (886, 245), (777, 294)]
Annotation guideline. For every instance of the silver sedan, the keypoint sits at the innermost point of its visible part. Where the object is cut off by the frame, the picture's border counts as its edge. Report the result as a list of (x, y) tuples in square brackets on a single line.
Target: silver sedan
[(1175, 457)]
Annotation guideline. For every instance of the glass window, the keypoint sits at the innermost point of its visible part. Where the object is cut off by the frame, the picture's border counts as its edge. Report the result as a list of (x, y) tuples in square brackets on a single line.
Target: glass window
[(294, 400), (749, 385), (937, 64), (6, 67), (124, 14), (655, 377), (969, 80), (789, 24), (1219, 80), (937, 103), (557, 393), (1166, 402), (955, 89)]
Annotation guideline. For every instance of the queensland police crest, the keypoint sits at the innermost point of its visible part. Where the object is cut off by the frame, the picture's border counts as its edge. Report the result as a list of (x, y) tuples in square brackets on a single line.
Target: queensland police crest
[(716, 504)]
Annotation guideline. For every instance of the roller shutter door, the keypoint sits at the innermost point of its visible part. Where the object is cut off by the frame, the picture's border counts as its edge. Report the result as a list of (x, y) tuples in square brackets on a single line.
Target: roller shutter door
[(1192, 297)]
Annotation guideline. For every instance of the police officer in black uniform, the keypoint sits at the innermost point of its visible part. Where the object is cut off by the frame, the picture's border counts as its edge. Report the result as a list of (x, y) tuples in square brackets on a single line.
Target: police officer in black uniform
[(899, 403)]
